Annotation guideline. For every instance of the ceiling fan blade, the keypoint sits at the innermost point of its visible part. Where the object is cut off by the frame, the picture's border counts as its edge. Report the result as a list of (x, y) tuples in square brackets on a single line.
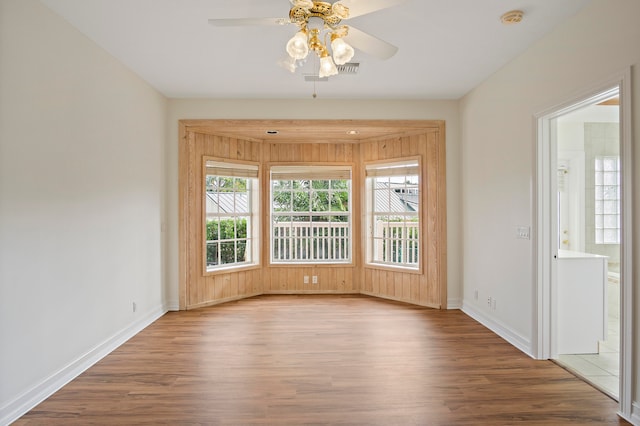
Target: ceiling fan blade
[(362, 7), (241, 22), (370, 44)]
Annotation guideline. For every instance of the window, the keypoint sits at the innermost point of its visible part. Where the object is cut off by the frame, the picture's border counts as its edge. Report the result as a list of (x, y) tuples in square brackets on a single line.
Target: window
[(311, 214), (607, 200), (393, 213), (231, 219)]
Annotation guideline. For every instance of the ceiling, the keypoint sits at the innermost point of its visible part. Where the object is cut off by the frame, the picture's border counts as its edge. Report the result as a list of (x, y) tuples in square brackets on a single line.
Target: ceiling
[(446, 47)]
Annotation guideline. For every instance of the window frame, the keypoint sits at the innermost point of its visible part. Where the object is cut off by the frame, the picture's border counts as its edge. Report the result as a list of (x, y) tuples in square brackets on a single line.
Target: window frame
[(236, 169), (375, 169), (312, 172)]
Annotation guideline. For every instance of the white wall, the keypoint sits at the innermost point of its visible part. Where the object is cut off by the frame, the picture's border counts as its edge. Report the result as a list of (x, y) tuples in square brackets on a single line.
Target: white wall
[(81, 200), (321, 109), (498, 145)]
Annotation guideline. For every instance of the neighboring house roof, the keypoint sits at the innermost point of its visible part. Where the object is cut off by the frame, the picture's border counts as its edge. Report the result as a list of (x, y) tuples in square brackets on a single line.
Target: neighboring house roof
[(394, 201), (410, 200), (227, 202)]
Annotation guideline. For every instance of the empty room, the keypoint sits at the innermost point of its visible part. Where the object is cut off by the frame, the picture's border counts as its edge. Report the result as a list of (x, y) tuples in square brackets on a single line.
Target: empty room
[(305, 212)]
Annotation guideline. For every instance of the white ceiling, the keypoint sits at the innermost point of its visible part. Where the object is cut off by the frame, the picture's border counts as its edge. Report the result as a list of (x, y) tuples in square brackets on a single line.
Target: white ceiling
[(446, 47)]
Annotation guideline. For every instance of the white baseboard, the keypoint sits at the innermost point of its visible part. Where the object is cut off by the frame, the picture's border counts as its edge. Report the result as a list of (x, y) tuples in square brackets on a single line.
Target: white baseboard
[(501, 330), (171, 305), (19, 406), (454, 303)]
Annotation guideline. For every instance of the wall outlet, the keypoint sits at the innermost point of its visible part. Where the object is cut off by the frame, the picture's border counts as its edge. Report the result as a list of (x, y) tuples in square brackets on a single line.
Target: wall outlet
[(475, 295), (489, 301), (493, 304), (306, 279), (523, 233), (135, 306), (314, 279)]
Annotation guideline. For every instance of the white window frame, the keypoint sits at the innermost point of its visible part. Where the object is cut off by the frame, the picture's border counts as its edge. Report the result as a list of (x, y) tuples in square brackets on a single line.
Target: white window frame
[(380, 235), (300, 241), (236, 207)]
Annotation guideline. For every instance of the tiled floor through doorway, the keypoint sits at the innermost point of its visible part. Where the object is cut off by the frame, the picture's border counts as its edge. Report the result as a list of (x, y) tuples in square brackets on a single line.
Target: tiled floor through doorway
[(602, 370)]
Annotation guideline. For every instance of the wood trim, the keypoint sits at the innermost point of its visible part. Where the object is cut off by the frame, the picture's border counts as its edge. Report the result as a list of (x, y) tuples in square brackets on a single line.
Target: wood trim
[(203, 208), (442, 213), (183, 215), (220, 301), (400, 299)]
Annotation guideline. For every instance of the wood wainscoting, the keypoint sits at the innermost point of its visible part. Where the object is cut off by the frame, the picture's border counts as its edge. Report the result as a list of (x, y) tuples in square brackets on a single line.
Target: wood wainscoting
[(352, 142)]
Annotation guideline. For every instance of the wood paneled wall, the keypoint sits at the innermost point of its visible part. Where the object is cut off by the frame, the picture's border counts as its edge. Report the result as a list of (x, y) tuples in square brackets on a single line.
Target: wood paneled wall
[(200, 138), (427, 288), (197, 288)]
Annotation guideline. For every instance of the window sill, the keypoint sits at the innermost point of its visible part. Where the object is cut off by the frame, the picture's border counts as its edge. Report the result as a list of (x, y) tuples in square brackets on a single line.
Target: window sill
[(231, 268), (394, 268)]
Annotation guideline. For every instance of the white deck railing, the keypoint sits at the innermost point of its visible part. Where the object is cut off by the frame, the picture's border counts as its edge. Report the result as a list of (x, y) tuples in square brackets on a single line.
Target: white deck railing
[(311, 241), (396, 242)]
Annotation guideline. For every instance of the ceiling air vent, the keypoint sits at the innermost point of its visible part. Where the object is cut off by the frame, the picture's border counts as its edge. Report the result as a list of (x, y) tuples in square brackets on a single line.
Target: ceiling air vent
[(314, 77), (349, 68)]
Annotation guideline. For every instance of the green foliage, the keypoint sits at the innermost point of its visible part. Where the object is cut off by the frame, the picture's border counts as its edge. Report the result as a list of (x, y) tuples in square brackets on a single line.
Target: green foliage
[(223, 236), (225, 184), (315, 196)]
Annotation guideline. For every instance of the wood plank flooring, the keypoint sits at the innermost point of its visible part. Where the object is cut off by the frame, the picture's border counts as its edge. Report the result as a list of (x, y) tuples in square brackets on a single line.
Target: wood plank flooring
[(277, 360)]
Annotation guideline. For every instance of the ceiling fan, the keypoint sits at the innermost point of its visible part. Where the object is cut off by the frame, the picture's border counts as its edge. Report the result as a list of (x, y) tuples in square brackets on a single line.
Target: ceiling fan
[(320, 26)]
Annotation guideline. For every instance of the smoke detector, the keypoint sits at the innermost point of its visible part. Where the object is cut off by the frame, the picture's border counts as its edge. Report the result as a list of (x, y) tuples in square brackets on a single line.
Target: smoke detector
[(512, 17)]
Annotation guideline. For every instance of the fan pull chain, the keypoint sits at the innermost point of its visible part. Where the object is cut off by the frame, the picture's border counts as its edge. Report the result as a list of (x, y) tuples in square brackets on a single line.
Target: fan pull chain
[(315, 66)]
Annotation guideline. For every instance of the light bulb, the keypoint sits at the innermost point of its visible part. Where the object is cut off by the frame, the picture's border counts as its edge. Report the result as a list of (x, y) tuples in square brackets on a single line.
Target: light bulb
[(297, 46), (327, 67), (342, 52)]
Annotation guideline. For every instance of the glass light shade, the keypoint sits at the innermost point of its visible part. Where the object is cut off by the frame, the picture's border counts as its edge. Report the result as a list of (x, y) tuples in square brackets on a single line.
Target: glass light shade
[(340, 10), (297, 46), (342, 52), (305, 4), (288, 63), (327, 67)]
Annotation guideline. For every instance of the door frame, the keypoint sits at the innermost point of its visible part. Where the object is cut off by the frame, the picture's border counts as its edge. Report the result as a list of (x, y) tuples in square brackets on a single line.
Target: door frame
[(544, 247)]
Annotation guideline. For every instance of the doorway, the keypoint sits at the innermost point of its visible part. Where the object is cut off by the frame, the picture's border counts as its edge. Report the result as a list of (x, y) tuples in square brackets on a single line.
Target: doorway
[(588, 235), (583, 243)]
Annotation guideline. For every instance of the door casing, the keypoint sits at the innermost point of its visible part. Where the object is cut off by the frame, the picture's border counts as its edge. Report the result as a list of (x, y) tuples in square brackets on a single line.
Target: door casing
[(545, 235)]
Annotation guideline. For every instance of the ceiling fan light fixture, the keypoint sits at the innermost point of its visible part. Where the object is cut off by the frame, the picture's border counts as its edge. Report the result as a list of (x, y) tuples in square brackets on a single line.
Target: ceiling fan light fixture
[(327, 67), (297, 46), (319, 29), (342, 52)]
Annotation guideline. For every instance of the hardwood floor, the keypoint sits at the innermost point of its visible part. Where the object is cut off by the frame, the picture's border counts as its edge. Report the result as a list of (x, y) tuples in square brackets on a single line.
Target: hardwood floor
[(322, 360)]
